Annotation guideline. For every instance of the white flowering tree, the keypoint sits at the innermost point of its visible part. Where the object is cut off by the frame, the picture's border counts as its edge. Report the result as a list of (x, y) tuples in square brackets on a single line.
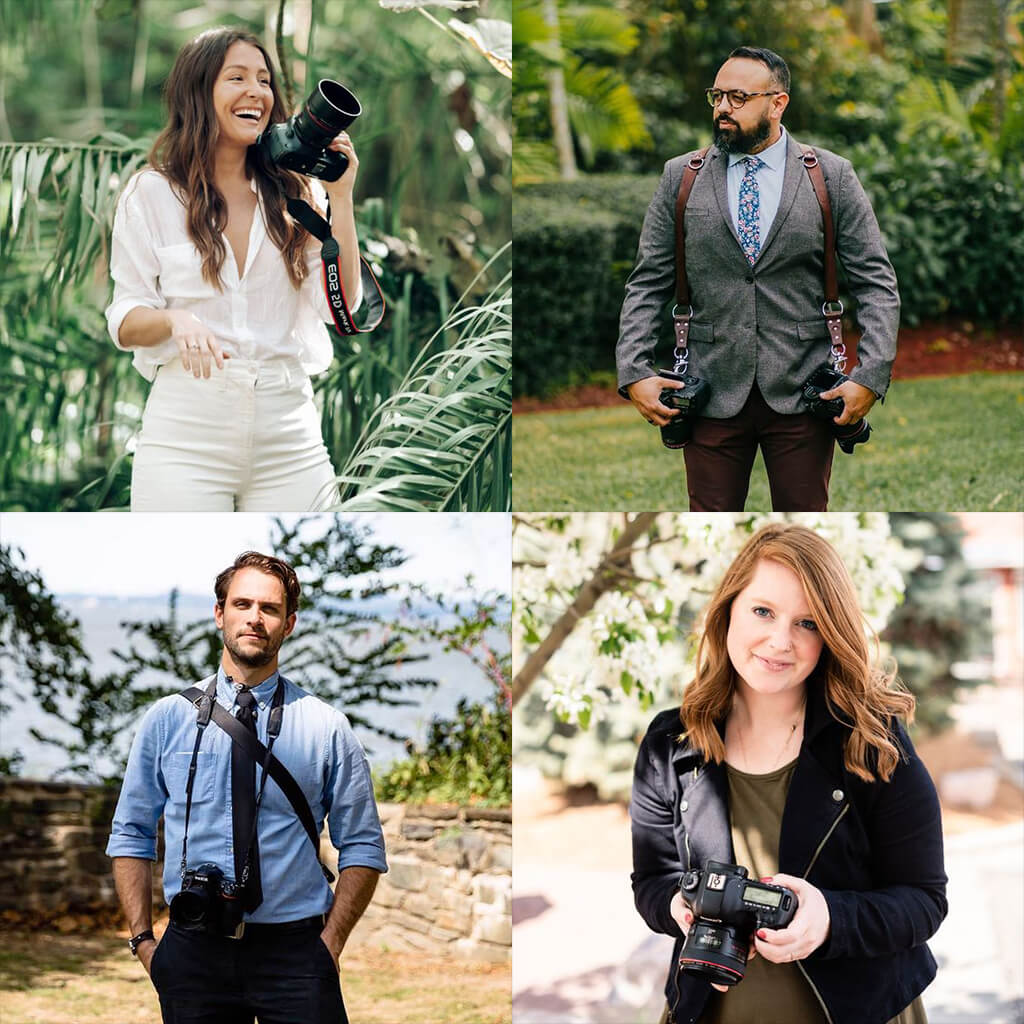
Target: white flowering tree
[(605, 606)]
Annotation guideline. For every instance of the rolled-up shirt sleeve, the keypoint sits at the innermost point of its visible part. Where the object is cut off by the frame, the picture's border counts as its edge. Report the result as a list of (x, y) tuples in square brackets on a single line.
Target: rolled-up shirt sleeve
[(352, 816), (143, 793), (133, 265)]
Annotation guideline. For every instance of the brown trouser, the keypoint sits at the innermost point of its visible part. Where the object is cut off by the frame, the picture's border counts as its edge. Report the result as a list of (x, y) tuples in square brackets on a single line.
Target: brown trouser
[(797, 453)]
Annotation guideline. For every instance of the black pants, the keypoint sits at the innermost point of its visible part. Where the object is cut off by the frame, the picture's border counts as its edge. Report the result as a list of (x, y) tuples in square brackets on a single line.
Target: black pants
[(275, 976), (797, 455)]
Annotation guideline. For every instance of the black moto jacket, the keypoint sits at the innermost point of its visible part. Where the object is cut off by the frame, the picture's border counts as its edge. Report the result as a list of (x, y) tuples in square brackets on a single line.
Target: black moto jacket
[(873, 849)]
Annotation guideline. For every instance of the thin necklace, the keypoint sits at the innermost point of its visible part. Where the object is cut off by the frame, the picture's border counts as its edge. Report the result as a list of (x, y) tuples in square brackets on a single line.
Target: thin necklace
[(778, 757)]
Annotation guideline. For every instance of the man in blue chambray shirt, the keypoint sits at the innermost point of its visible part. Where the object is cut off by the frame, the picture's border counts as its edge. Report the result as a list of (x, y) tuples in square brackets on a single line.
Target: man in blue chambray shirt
[(284, 967)]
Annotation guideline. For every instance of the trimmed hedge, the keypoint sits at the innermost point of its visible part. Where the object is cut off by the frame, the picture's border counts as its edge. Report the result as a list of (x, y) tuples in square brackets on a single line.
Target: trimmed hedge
[(574, 246), (953, 224)]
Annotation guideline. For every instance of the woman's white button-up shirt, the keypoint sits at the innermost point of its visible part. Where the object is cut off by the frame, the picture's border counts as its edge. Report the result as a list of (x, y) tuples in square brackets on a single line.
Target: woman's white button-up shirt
[(259, 314)]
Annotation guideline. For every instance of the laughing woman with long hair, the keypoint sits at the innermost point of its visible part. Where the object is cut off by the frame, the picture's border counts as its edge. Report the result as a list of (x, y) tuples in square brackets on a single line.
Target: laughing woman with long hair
[(788, 758), (217, 294)]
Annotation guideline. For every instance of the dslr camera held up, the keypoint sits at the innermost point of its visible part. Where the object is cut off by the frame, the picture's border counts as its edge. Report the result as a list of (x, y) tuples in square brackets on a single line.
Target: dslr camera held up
[(825, 379), (728, 908), (208, 902), (690, 399), (300, 143)]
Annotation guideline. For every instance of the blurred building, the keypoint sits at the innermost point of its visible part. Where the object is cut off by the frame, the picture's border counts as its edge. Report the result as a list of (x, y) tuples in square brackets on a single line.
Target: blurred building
[(994, 547)]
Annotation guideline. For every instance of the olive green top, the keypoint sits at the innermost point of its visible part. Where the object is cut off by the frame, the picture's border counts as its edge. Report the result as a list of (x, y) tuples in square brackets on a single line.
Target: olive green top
[(770, 993)]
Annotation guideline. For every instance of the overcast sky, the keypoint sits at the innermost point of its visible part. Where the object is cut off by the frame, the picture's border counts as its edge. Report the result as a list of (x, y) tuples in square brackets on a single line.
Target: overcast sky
[(150, 553)]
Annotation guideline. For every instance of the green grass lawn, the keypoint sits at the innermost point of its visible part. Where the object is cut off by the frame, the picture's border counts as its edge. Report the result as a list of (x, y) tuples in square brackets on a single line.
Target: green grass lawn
[(938, 443)]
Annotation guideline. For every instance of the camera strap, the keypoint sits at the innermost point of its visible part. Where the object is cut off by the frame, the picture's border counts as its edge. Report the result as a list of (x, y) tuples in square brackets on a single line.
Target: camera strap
[(682, 311), (373, 298), (207, 705), (831, 308), (204, 703)]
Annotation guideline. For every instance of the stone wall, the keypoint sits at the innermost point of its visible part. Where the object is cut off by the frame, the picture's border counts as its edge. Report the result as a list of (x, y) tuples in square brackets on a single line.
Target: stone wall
[(52, 837), (448, 891), (449, 885)]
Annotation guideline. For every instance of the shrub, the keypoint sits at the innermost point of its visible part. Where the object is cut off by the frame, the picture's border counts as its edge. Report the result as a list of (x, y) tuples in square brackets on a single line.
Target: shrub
[(465, 759), (575, 244), (953, 224)]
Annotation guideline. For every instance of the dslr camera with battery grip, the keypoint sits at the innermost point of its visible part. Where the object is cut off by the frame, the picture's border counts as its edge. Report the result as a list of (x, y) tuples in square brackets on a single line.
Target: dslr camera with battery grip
[(728, 908), (825, 379), (208, 902), (690, 399)]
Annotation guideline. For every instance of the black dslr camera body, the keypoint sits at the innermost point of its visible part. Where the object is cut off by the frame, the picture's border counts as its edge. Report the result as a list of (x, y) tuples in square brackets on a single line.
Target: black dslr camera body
[(728, 908), (208, 902), (825, 379), (300, 143), (689, 399)]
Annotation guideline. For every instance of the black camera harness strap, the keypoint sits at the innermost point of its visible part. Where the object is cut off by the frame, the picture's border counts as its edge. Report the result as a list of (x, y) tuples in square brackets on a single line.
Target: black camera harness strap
[(373, 298), (207, 707), (832, 308)]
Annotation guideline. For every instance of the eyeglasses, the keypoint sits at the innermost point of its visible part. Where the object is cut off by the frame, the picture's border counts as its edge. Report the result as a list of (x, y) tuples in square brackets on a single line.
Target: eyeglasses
[(736, 97)]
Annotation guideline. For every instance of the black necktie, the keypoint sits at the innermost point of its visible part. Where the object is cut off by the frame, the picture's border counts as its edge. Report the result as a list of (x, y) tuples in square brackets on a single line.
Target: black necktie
[(243, 799)]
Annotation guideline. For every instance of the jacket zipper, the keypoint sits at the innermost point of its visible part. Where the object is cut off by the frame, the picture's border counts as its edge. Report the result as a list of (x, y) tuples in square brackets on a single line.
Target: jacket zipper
[(814, 989), (679, 966), (828, 1016), (828, 834)]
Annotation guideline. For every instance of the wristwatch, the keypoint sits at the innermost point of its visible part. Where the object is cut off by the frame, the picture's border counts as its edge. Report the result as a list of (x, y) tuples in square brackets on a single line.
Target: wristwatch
[(136, 940)]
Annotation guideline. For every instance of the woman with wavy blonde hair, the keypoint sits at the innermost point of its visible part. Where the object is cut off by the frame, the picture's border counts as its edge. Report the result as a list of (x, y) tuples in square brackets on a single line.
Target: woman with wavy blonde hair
[(217, 292), (788, 757)]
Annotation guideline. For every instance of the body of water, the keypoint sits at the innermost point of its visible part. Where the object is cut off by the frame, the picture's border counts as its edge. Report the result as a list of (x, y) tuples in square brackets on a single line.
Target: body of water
[(100, 617)]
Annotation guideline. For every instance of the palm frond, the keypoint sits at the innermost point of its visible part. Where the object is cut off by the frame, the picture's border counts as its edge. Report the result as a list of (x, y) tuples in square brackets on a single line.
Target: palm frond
[(442, 441)]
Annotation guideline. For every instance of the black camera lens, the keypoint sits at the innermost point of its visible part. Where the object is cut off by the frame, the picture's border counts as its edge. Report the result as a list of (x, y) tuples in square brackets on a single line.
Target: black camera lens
[(716, 951), (190, 908), (851, 435), (330, 109)]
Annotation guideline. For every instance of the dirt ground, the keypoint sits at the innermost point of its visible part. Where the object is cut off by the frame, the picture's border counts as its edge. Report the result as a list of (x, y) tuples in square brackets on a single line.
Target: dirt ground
[(49, 978), (936, 349)]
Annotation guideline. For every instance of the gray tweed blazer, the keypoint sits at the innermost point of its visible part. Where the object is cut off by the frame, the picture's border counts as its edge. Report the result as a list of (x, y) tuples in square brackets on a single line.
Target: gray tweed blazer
[(763, 322)]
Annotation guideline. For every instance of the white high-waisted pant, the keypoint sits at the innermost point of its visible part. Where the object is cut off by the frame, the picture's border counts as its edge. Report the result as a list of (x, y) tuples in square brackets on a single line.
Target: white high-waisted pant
[(247, 439)]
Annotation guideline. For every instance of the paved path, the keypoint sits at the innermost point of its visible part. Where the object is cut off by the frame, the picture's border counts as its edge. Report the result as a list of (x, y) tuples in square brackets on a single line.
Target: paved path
[(582, 955)]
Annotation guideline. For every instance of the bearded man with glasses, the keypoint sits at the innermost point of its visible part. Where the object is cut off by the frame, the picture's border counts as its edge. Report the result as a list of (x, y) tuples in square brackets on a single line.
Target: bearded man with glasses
[(754, 245)]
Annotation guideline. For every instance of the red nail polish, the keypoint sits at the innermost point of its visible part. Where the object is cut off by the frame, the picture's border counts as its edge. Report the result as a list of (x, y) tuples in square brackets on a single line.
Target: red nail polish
[(768, 878), (762, 934)]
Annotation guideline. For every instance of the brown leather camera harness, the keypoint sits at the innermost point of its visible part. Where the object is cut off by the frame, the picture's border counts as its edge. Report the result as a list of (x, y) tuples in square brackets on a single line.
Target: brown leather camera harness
[(831, 309)]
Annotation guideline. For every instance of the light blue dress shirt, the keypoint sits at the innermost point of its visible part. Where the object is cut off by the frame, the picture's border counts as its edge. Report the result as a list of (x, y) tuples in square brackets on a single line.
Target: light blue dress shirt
[(769, 183), (319, 749)]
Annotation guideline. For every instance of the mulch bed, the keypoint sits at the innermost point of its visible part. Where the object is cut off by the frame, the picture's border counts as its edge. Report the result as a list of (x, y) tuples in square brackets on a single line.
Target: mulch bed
[(937, 349)]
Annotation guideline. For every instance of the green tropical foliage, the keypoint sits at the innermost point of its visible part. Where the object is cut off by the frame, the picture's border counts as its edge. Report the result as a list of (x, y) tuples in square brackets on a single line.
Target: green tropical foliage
[(441, 441), (434, 151), (603, 110)]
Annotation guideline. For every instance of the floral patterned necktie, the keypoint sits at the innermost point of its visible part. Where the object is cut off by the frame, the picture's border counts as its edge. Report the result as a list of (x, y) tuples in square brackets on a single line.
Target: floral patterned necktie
[(750, 210)]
